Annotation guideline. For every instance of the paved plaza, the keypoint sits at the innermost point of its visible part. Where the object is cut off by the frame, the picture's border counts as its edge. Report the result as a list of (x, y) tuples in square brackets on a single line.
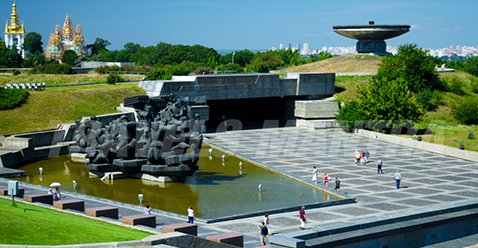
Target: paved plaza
[(428, 179)]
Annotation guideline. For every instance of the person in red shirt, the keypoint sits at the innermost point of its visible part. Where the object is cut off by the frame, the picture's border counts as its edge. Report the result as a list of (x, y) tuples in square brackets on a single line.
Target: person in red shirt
[(302, 217)]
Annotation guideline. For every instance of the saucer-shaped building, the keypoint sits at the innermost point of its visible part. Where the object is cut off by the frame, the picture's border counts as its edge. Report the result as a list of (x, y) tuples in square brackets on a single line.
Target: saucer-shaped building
[(371, 38)]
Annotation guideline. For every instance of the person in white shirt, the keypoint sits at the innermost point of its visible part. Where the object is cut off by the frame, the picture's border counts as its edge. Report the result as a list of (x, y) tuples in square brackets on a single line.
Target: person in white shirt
[(397, 177), (147, 210), (190, 215)]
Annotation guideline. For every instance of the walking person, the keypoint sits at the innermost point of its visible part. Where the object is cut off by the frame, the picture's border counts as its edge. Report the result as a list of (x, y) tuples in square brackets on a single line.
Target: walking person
[(362, 157), (367, 154), (266, 221), (357, 157), (190, 215), (264, 233), (398, 178), (326, 179), (379, 166), (314, 175), (303, 218), (337, 184)]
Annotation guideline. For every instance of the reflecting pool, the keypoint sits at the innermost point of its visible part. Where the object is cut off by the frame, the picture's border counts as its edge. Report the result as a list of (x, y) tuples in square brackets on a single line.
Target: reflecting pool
[(217, 189)]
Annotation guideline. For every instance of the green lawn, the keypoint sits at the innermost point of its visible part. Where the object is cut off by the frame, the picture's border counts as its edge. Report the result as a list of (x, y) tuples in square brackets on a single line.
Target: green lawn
[(346, 87), (51, 79), (34, 225), (46, 109)]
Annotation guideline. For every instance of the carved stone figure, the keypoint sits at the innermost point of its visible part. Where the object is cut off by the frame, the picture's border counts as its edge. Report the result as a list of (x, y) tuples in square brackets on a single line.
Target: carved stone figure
[(156, 144)]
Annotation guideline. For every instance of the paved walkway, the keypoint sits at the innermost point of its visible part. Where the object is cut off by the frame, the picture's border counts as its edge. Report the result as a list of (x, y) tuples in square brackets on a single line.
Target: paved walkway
[(429, 179)]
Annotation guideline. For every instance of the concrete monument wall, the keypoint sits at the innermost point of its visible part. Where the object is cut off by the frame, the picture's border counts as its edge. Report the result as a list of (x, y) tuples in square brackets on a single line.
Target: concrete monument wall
[(245, 86)]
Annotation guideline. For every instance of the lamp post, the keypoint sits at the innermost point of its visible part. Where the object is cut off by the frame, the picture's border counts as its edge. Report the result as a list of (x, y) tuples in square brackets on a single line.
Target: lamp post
[(234, 53), (140, 198)]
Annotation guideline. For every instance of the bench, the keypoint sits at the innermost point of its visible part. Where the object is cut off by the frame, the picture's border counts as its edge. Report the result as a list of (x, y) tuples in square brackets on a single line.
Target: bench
[(105, 211), (78, 205), (20, 193), (43, 198), (140, 219), (230, 238), (186, 228)]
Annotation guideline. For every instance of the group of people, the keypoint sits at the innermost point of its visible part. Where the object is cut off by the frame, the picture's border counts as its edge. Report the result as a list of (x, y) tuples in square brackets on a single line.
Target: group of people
[(55, 193), (264, 228), (326, 179), (361, 157)]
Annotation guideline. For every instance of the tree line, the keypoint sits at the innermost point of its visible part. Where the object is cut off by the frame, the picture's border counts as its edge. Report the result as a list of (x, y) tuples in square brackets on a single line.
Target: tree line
[(165, 59)]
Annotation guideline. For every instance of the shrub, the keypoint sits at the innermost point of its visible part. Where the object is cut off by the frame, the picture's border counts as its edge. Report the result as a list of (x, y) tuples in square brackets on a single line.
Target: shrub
[(114, 78), (230, 68), (202, 70), (159, 73), (429, 99), (53, 69), (15, 72), (12, 98), (455, 85), (471, 135), (471, 65), (474, 84), (466, 111), (350, 116)]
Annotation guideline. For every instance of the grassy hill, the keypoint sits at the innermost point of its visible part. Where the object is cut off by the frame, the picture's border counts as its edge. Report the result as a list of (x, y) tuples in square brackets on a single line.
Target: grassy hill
[(347, 63), (46, 109), (446, 130)]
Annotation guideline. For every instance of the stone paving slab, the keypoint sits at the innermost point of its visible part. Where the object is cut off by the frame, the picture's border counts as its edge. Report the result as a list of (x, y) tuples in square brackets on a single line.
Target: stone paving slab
[(429, 178)]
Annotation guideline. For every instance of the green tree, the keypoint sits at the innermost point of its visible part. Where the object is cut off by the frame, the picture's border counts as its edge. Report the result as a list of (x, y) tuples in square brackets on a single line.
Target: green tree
[(414, 66), (389, 104), (32, 60), (471, 65), (264, 62), (350, 116), (159, 73), (241, 57), (32, 43), (14, 59), (131, 47), (99, 45), (70, 58)]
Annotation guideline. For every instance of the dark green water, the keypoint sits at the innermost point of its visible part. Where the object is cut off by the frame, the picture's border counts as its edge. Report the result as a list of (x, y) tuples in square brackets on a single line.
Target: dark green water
[(215, 190)]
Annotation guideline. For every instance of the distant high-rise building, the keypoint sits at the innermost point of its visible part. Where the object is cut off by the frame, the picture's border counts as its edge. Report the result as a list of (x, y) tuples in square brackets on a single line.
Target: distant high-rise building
[(305, 48), (281, 46), (290, 46)]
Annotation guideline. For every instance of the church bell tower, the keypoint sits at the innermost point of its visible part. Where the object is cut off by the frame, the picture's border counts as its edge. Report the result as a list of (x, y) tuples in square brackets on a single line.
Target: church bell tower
[(15, 33)]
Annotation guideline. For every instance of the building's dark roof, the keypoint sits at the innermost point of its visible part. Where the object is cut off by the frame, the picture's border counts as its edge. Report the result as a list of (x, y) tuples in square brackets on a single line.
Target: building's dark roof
[(371, 31)]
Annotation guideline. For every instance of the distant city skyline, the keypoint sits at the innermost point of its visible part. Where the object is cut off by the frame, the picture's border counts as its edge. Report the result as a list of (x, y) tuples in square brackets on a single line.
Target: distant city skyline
[(255, 25)]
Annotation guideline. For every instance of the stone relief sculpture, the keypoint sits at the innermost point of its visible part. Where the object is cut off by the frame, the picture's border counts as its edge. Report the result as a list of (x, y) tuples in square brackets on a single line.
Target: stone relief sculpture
[(163, 142)]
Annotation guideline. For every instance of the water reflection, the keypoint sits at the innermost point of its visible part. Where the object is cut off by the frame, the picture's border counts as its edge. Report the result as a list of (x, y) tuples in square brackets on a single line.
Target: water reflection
[(217, 189)]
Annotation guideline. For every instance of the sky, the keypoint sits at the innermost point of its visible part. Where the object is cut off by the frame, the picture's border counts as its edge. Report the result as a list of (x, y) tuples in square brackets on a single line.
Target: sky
[(251, 24)]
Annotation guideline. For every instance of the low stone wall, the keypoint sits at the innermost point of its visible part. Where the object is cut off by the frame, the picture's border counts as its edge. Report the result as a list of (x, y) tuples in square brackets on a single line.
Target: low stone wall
[(22, 148), (411, 229), (441, 149)]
